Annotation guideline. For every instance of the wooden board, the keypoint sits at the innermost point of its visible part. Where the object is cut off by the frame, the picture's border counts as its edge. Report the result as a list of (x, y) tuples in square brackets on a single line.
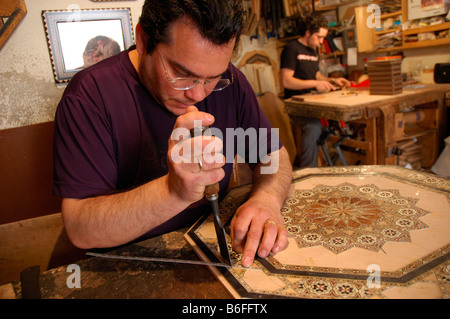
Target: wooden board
[(11, 12), (354, 232), (340, 98), (366, 38), (26, 170)]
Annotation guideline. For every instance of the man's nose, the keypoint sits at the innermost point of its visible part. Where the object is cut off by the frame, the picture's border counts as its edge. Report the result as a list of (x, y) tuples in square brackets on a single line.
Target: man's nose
[(198, 93)]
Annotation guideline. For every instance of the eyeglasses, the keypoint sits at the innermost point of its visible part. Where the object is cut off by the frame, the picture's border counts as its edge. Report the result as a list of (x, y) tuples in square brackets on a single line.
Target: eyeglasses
[(183, 84)]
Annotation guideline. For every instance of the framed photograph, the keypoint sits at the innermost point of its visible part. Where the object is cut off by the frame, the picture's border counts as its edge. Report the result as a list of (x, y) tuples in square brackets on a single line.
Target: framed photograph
[(80, 38)]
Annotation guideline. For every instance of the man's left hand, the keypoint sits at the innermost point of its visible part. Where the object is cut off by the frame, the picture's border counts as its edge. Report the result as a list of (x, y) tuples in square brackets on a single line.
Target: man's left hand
[(257, 227)]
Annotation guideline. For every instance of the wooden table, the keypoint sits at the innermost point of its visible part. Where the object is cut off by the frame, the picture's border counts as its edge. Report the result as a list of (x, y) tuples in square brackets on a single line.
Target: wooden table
[(103, 278), (387, 119)]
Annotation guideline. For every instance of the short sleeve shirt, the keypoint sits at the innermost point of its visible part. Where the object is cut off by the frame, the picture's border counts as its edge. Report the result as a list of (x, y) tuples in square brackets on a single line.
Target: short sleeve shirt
[(111, 135), (303, 60)]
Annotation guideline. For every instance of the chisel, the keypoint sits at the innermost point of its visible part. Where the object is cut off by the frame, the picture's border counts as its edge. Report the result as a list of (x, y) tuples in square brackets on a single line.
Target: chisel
[(212, 195)]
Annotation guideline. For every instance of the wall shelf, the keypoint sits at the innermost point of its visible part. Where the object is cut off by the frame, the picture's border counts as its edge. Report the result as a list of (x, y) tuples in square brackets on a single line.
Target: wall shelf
[(334, 6), (428, 43), (390, 15), (431, 28)]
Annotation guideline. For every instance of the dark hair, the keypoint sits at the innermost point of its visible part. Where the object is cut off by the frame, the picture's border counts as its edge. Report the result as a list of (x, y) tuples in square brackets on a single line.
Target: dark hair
[(99, 48), (219, 21), (313, 23)]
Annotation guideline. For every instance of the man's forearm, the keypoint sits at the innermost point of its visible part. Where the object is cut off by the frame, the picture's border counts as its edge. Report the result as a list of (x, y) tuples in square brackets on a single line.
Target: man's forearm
[(321, 77), (273, 185), (116, 219), (299, 84)]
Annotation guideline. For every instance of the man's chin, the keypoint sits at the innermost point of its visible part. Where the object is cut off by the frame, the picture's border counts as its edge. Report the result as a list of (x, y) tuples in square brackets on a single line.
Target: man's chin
[(177, 108)]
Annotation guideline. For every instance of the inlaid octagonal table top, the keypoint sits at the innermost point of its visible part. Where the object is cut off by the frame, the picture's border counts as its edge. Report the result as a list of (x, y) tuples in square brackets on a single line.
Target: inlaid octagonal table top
[(354, 232)]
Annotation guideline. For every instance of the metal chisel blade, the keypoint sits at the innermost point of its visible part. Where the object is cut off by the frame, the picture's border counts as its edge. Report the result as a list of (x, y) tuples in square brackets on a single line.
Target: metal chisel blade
[(220, 232)]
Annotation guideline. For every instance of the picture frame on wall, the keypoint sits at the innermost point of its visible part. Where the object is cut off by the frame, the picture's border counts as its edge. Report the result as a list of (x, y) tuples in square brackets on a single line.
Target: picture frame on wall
[(80, 38)]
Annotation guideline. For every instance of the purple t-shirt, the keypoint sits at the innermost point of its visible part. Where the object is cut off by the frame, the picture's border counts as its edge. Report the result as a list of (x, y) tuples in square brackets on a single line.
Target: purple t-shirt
[(111, 135)]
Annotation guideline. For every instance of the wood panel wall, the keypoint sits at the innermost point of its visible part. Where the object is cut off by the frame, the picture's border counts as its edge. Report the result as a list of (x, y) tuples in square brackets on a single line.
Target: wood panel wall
[(26, 173)]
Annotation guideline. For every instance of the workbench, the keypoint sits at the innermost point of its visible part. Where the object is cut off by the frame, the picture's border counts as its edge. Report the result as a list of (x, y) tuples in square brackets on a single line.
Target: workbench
[(382, 121), (340, 221), (103, 278)]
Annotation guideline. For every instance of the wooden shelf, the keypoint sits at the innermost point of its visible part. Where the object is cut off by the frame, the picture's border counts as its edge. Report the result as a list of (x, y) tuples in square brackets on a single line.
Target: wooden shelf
[(333, 54), (418, 44), (431, 28), (429, 43), (387, 31), (334, 6), (390, 15), (397, 29), (404, 33), (397, 48)]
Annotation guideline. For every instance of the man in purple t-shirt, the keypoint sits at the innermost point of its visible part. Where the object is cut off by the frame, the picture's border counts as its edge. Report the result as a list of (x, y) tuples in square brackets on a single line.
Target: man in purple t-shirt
[(119, 135)]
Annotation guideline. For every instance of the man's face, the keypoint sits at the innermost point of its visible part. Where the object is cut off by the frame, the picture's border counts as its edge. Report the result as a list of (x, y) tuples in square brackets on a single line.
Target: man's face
[(316, 39), (187, 55)]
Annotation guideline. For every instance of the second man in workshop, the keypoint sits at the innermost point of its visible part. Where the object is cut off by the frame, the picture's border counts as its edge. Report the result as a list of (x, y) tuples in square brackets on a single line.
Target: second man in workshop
[(300, 74)]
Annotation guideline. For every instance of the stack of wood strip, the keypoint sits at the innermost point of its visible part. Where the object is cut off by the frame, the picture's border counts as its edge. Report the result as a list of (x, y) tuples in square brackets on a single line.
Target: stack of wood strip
[(411, 153), (385, 77)]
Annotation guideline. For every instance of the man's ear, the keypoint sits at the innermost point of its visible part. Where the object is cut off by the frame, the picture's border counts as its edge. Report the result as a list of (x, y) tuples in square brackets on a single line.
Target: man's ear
[(308, 33), (141, 40)]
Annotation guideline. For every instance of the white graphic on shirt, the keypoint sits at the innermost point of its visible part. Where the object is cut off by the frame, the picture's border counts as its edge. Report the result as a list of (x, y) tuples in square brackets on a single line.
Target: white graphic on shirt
[(305, 57)]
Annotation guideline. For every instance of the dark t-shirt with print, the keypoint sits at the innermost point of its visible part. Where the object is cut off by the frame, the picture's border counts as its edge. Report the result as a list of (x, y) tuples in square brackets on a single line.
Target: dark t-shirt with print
[(303, 60)]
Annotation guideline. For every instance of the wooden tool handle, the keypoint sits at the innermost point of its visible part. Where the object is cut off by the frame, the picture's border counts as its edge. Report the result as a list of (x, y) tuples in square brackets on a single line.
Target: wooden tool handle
[(212, 190)]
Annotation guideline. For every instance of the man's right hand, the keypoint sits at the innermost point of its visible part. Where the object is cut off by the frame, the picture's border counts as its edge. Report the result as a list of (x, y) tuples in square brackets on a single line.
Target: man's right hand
[(324, 86), (187, 178)]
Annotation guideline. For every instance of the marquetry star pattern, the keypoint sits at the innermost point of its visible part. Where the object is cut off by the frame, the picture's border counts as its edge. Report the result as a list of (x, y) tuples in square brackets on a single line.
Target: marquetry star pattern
[(345, 216)]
